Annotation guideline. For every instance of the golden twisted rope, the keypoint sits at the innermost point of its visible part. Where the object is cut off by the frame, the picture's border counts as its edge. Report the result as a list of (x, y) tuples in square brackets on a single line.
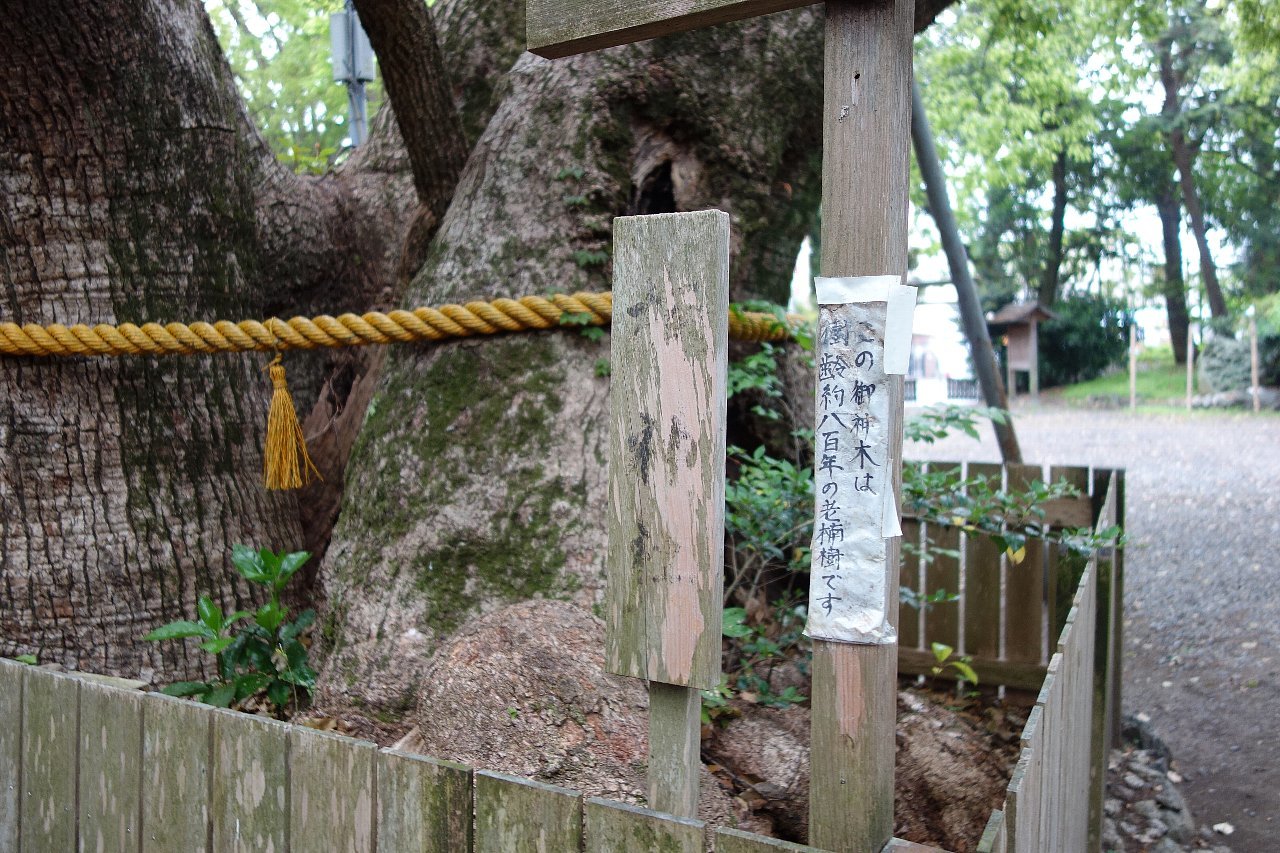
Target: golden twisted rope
[(429, 324)]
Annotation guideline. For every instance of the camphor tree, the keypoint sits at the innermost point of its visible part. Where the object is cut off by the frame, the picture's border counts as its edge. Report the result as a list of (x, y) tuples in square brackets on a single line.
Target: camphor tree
[(136, 188)]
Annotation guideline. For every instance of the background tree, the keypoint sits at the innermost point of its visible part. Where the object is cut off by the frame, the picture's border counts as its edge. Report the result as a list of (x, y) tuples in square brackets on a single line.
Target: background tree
[(1006, 81), (279, 51)]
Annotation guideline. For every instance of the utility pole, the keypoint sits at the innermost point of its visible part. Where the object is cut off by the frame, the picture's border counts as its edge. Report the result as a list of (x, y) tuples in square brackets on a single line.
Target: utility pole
[(352, 66)]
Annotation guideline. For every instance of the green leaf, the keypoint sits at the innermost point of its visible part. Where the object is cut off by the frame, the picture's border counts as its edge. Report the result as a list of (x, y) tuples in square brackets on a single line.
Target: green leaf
[(216, 646), (279, 693), (235, 617), (965, 670), (297, 626), (248, 563), (290, 563), (269, 616), (210, 613), (250, 683), (941, 651), (270, 562), (221, 696), (185, 688), (734, 622), (178, 630)]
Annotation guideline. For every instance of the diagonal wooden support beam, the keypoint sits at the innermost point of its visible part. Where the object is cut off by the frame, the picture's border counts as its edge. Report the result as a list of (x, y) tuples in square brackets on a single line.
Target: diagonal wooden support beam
[(559, 28)]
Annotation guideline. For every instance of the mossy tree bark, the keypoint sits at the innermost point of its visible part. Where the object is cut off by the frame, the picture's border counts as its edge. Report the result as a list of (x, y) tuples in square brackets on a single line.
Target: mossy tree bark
[(132, 187), (479, 476)]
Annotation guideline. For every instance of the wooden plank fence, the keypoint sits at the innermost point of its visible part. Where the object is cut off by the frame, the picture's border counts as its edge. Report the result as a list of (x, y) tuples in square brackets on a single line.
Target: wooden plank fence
[(1005, 614), (1053, 801), (87, 766)]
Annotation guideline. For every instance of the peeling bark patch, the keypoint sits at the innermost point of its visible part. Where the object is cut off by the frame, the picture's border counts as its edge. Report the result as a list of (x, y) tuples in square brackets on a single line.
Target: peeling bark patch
[(641, 447), (640, 546)]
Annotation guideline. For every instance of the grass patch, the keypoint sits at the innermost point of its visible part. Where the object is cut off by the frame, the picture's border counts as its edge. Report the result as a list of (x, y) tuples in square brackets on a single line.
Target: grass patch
[(1160, 380)]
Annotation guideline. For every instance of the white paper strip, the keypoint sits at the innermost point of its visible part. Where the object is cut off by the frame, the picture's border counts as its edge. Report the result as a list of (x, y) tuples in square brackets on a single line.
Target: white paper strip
[(891, 526), (853, 476), (878, 288), (854, 288), (897, 329)]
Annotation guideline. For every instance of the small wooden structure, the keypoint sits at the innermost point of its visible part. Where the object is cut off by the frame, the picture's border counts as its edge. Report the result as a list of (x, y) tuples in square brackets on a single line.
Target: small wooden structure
[(1018, 322)]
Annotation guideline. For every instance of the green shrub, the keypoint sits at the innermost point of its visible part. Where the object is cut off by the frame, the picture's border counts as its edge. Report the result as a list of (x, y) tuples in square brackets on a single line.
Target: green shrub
[(1225, 359), (1089, 334), (263, 656), (1224, 364)]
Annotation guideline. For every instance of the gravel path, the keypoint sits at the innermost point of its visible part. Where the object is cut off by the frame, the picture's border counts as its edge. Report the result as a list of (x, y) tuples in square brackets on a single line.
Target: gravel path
[(1202, 609)]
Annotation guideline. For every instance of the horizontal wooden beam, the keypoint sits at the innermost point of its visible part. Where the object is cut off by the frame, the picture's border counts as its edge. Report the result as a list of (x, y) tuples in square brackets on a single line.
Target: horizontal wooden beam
[(1012, 674), (557, 28)]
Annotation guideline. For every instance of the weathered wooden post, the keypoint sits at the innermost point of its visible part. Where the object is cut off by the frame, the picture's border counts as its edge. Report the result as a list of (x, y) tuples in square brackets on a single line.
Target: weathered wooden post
[(1191, 364), (665, 572), (1133, 365), (866, 145), (1255, 381)]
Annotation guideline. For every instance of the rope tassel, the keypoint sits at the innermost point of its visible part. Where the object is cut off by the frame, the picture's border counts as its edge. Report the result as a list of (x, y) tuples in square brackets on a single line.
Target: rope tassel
[(285, 463)]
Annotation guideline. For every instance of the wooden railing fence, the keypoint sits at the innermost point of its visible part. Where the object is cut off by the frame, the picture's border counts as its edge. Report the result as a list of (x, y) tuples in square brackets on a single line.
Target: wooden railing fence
[(1054, 799), (92, 767), (1007, 615)]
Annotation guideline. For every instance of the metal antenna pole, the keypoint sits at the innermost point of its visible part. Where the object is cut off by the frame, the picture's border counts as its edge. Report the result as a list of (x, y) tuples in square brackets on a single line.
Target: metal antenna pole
[(355, 86)]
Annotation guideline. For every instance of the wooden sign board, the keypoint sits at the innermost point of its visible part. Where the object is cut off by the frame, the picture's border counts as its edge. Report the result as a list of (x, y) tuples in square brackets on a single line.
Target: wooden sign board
[(557, 28), (665, 572)]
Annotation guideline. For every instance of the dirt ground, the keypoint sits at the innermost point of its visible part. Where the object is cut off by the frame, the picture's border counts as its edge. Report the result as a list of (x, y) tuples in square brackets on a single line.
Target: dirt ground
[(1202, 613)]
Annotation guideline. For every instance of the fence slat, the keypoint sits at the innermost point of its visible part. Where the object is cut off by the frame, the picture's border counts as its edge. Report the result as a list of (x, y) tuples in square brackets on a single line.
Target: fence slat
[(110, 768), (1065, 567), (909, 626), (10, 753), (942, 572), (250, 783), (49, 761), (331, 792), (1024, 586), (613, 827), (175, 772), (1105, 652), (423, 804), (737, 841), (1018, 676), (982, 583), (992, 835), (515, 815)]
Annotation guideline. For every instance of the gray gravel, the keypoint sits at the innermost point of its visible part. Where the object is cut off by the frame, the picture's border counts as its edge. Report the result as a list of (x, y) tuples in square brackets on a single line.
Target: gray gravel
[(1202, 612)]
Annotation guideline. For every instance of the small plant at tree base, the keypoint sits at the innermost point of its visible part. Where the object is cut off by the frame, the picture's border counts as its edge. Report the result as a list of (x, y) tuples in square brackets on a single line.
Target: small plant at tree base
[(962, 665), (752, 655), (265, 655)]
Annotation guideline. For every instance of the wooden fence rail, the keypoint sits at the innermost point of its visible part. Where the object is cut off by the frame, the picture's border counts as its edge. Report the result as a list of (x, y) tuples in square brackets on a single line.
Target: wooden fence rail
[(91, 767)]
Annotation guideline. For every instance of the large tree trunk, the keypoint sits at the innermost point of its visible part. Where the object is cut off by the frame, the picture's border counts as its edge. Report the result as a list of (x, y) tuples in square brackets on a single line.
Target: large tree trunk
[(1174, 288), (1184, 159), (132, 187), (1050, 278), (480, 474)]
